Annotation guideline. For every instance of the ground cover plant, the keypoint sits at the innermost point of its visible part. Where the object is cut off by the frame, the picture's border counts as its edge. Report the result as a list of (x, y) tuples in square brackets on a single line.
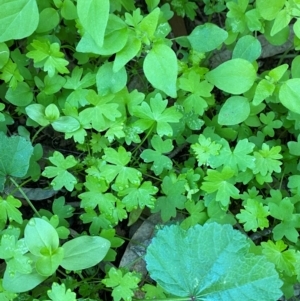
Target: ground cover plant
[(115, 111)]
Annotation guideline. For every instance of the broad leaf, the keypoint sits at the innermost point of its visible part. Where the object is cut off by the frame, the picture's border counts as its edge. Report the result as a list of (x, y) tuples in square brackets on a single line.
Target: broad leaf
[(235, 76), (210, 262), (248, 48), (160, 67), (59, 292), (235, 110), (84, 252), (18, 19), (289, 95), (207, 37), (15, 153), (93, 15)]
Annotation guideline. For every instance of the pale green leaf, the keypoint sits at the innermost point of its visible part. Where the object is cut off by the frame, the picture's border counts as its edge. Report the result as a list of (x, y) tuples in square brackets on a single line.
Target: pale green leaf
[(18, 19), (247, 48), (20, 96), (207, 37), (289, 95), (235, 76), (160, 67), (59, 292), (235, 110)]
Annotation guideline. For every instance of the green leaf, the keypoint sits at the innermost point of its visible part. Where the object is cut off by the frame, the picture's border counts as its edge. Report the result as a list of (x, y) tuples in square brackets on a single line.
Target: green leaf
[(66, 124), (84, 252), (18, 19), (205, 149), (148, 25), (15, 153), (235, 110), (247, 48), (48, 20), (267, 160), (290, 221), (267, 11), (183, 264), (139, 196), (4, 54), (173, 189), (8, 210), (222, 183), (235, 76), (118, 169), (109, 81), (39, 236), (62, 177), (160, 161), (264, 89), (254, 216), (281, 21), (59, 292), (48, 56), (103, 111), (18, 283), (160, 68), (123, 285), (156, 114), (289, 94), (207, 37), (284, 260), (93, 16)]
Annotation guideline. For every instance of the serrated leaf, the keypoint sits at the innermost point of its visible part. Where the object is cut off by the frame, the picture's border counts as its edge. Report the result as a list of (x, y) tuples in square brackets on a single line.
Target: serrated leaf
[(235, 76), (59, 292), (207, 37), (14, 14), (160, 68), (15, 153), (183, 264)]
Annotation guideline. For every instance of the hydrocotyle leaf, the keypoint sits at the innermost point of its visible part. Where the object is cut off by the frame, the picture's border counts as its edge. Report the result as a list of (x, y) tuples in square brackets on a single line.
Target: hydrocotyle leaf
[(210, 262), (18, 19), (84, 252), (207, 37), (235, 76), (160, 67), (235, 110)]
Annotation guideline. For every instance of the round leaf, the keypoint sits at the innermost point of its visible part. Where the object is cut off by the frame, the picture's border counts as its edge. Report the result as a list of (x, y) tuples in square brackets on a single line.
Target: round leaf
[(235, 110), (36, 112), (289, 95), (84, 252), (160, 67), (248, 48), (66, 124), (207, 37), (18, 19), (39, 236), (20, 96), (52, 112), (49, 19), (210, 262), (235, 76)]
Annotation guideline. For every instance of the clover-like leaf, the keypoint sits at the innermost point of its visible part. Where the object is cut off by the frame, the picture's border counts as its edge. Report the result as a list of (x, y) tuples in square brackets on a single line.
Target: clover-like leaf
[(210, 262), (59, 292)]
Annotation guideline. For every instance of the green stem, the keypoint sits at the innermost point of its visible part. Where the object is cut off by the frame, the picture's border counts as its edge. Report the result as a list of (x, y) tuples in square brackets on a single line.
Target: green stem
[(144, 139), (37, 133), (25, 196)]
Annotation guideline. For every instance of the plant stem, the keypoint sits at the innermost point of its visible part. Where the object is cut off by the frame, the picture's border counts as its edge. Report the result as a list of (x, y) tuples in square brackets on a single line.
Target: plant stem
[(37, 132), (25, 196)]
